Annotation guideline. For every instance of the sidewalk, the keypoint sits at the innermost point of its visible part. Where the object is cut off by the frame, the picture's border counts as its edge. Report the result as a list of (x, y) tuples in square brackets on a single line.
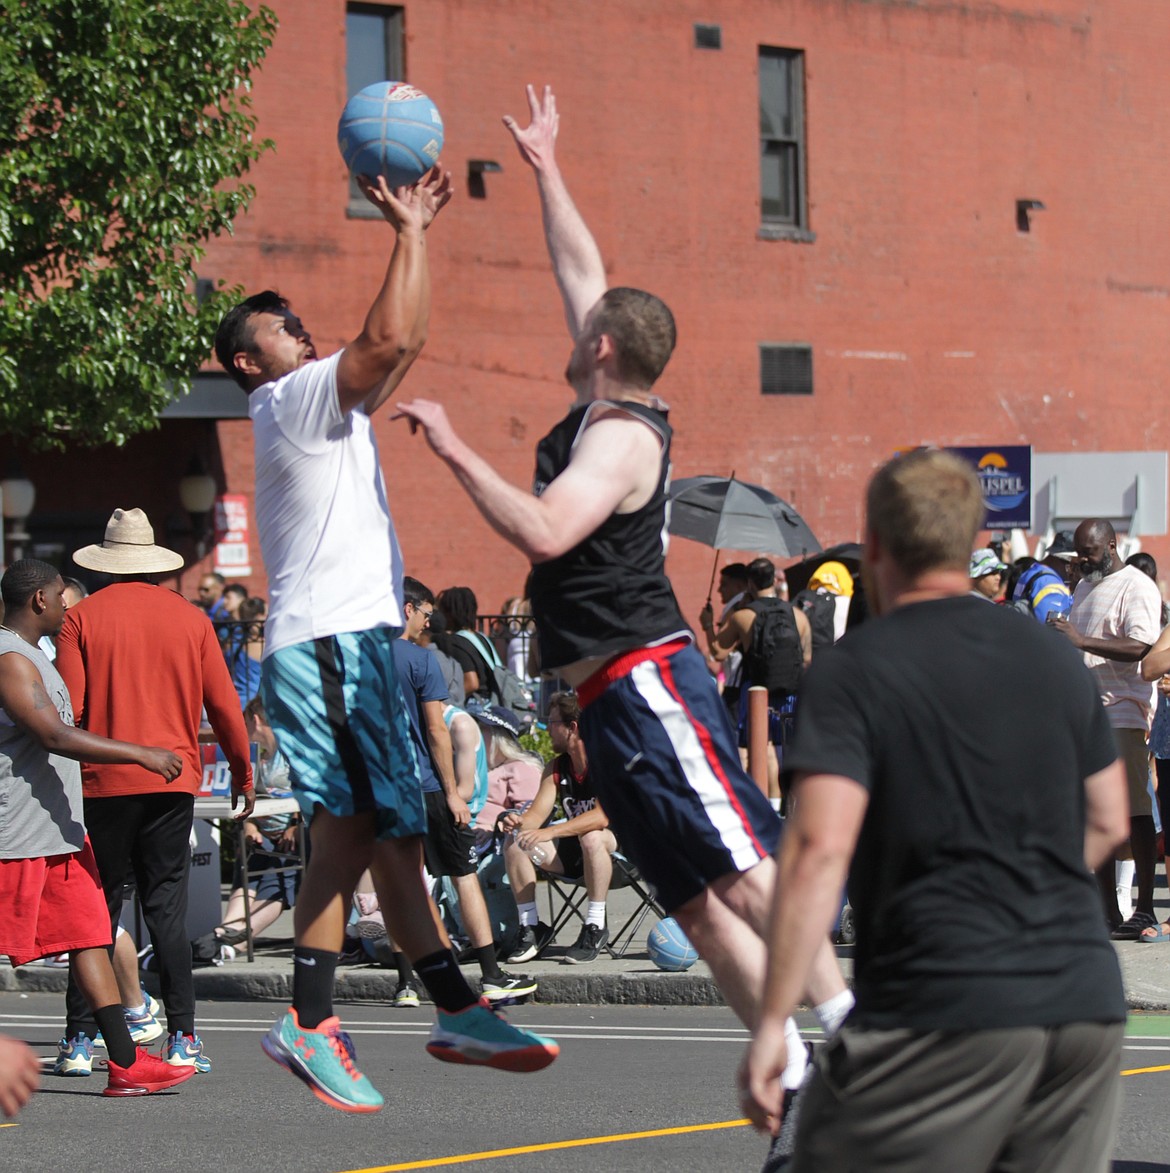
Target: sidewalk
[(632, 980)]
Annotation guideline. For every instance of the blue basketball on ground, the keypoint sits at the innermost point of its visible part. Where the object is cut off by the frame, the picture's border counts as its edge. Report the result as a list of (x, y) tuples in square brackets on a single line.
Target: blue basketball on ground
[(390, 129), (669, 948)]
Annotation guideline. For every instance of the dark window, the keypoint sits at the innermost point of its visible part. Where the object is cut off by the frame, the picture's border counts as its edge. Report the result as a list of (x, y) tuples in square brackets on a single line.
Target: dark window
[(708, 36), (782, 150), (373, 52), (786, 370)]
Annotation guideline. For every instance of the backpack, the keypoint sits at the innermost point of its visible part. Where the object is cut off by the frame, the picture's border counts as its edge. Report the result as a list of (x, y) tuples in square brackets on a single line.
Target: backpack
[(774, 658), (508, 689), (821, 609)]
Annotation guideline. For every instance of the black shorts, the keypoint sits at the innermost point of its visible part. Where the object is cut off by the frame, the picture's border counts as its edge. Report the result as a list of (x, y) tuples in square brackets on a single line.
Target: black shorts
[(571, 857), (449, 850)]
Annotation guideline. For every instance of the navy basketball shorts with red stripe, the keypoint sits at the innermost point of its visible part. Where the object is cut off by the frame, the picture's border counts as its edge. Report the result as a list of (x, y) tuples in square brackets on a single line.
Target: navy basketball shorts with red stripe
[(664, 764)]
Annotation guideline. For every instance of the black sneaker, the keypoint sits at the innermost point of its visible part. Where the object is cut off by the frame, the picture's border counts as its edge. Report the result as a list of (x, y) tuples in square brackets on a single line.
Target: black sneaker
[(530, 943), (589, 944), (508, 988)]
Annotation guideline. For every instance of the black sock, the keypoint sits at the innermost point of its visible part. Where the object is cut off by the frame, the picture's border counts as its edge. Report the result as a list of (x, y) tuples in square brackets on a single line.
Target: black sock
[(402, 964), (489, 967), (313, 971), (444, 980), (119, 1045)]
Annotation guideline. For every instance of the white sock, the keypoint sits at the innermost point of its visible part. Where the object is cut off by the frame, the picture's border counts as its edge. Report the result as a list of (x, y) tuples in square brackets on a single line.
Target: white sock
[(528, 915), (797, 1057), (776, 803), (833, 1011), (596, 914), (1125, 870), (136, 1009)]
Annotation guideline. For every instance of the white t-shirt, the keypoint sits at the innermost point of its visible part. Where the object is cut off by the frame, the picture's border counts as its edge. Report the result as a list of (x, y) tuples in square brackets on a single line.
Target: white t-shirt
[(326, 535), (1125, 604)]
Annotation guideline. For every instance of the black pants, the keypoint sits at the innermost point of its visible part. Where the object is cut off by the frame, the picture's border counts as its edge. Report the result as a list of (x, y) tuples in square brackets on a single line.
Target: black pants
[(147, 836)]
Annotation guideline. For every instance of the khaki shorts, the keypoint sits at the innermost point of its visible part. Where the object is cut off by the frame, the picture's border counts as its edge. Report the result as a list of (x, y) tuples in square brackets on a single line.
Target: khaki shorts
[(1135, 753)]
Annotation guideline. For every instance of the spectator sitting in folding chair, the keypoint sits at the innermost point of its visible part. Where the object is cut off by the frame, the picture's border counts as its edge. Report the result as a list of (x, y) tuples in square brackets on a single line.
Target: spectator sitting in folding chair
[(578, 846)]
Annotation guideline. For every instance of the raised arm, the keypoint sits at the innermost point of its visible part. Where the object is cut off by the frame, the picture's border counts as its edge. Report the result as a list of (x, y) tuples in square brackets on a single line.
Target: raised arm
[(374, 363), (576, 260)]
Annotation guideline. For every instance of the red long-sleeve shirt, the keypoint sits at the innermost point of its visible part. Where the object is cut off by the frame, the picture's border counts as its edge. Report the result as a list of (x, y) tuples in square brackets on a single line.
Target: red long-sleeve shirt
[(141, 664)]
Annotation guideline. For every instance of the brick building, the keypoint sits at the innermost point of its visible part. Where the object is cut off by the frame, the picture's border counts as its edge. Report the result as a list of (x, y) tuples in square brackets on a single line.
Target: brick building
[(840, 200)]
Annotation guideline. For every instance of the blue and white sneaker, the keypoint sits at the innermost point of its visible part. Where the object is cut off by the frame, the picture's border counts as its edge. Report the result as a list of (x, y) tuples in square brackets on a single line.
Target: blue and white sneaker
[(144, 1028), (482, 1037), (186, 1051), (74, 1056), (153, 1005), (324, 1059)]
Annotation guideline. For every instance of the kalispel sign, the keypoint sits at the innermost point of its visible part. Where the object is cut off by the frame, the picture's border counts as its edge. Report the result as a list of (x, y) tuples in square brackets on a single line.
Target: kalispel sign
[(1005, 475)]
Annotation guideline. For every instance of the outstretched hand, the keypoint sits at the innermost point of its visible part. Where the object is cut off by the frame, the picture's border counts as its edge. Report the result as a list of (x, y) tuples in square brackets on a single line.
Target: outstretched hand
[(537, 141), (432, 418), (412, 207)]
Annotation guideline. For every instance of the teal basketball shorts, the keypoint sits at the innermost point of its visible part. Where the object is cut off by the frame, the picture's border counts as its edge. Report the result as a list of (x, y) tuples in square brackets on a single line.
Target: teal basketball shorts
[(337, 711)]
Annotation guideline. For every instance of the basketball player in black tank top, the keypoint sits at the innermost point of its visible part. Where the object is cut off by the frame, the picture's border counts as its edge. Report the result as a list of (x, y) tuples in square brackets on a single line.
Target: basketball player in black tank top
[(667, 770)]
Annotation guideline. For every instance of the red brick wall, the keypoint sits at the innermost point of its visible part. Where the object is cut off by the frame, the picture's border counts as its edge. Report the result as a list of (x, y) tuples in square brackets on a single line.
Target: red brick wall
[(931, 318)]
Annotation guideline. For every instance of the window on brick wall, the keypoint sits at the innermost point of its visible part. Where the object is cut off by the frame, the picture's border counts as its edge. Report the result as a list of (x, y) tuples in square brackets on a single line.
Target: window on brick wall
[(783, 187), (374, 40), (786, 369)]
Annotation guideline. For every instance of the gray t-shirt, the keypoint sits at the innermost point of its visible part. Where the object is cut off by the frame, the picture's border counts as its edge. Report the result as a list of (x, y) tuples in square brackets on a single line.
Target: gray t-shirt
[(40, 792)]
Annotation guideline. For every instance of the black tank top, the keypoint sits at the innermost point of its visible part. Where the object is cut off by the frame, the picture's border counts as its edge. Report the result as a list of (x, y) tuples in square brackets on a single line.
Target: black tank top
[(609, 593), (575, 793)]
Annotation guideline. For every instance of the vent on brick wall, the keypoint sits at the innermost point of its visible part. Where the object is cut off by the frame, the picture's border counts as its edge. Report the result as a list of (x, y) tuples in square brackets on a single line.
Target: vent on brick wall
[(708, 36), (786, 370)]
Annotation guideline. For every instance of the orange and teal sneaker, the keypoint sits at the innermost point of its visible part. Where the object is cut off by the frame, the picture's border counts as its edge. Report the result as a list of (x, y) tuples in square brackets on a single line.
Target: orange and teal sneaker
[(324, 1059)]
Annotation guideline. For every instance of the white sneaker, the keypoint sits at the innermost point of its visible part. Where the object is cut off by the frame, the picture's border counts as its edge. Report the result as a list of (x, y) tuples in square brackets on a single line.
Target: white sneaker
[(1125, 902)]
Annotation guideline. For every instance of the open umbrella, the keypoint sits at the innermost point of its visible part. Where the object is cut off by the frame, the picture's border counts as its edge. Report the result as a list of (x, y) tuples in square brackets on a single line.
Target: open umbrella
[(847, 553), (733, 515)]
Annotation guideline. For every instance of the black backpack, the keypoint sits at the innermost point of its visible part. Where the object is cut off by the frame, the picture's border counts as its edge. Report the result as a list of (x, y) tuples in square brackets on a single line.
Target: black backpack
[(774, 658), (821, 609)]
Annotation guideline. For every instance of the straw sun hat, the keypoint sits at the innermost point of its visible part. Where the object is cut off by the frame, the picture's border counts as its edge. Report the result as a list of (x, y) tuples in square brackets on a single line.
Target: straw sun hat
[(128, 548)]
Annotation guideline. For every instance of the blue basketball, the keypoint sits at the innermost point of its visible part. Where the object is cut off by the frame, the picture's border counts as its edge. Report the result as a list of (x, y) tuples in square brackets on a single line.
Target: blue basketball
[(390, 129), (669, 948)]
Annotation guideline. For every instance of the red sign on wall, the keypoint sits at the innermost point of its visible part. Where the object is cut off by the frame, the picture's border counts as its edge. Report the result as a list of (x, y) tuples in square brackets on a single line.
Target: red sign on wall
[(233, 557)]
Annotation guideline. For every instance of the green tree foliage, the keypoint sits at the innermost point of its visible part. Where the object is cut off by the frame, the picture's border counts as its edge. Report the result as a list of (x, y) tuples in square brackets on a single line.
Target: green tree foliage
[(125, 128)]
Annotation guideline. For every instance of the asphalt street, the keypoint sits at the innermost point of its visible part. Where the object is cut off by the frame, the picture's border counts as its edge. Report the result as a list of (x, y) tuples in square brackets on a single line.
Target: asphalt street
[(635, 1088)]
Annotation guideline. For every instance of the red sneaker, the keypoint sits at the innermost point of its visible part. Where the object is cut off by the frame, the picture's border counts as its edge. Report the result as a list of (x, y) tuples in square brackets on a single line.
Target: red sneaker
[(148, 1073)]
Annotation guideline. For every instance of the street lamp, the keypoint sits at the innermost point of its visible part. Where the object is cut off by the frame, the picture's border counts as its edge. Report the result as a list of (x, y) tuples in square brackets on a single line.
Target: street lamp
[(18, 495), (197, 493)]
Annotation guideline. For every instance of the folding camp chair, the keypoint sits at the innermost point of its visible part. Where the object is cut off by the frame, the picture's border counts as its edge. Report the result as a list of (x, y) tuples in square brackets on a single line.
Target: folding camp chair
[(566, 895)]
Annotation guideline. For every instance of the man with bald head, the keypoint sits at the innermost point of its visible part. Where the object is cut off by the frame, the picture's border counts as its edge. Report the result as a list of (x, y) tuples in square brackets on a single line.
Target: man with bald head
[(1116, 617)]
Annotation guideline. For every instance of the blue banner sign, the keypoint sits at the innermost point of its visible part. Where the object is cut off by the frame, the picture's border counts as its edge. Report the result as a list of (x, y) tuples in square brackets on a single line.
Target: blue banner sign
[(1005, 475)]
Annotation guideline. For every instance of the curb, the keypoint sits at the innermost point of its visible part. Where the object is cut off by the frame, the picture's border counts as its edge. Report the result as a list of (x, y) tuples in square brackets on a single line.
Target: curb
[(261, 983)]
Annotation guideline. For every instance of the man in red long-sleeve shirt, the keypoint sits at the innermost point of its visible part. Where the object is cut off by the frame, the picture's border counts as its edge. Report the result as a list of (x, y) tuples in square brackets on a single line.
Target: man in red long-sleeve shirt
[(141, 665)]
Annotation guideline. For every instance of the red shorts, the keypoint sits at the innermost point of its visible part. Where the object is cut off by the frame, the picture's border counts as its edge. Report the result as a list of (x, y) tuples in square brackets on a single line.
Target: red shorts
[(54, 904)]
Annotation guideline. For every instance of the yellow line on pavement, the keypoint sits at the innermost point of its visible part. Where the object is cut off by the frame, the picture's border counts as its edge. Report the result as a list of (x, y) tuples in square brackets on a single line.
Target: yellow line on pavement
[(1146, 1070), (492, 1154)]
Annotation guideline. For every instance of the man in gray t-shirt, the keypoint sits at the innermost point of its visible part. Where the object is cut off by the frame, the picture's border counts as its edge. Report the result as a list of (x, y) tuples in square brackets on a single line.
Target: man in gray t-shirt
[(46, 854)]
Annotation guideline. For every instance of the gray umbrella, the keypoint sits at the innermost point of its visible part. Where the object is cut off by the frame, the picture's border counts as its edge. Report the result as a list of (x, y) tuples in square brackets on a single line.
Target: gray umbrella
[(732, 515)]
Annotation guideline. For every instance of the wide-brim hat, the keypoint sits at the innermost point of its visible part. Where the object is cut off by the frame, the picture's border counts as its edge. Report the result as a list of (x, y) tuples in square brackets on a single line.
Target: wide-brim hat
[(984, 562), (497, 717), (128, 548)]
